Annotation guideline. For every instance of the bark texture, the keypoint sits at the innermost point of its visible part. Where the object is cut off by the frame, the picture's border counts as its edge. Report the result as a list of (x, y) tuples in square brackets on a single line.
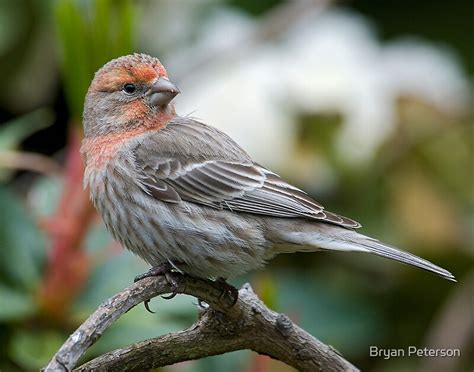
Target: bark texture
[(221, 328)]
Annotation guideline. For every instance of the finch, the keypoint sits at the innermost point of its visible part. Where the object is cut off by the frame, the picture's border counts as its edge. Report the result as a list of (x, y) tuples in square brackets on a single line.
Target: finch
[(178, 192)]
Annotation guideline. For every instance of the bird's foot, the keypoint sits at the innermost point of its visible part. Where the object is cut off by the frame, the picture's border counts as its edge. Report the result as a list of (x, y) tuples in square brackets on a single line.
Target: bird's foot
[(164, 269), (228, 289)]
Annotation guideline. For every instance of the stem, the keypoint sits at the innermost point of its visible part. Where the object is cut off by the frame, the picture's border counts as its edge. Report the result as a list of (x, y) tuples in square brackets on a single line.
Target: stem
[(68, 266)]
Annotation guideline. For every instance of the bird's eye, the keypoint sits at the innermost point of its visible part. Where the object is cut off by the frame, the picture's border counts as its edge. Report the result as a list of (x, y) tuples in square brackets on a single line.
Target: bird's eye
[(129, 88)]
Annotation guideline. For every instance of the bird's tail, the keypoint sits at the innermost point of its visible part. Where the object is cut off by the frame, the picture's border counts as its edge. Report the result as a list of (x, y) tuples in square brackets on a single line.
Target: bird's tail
[(334, 238)]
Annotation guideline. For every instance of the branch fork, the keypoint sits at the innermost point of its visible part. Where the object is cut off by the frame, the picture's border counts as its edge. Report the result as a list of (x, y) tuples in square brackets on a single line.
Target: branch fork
[(221, 328)]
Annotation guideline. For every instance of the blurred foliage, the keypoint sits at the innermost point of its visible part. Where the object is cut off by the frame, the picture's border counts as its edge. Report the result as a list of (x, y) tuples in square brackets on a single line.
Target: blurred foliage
[(19, 267), (91, 33), (13, 132), (416, 193)]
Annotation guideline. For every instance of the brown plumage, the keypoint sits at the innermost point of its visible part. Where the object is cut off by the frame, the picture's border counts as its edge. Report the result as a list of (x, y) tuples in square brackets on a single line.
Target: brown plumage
[(174, 190)]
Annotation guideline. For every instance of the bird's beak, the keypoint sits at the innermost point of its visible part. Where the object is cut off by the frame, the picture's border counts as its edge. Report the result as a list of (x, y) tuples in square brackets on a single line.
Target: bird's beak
[(162, 92)]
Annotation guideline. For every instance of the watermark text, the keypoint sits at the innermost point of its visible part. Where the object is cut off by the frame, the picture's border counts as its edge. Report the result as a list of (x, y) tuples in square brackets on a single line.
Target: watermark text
[(413, 351)]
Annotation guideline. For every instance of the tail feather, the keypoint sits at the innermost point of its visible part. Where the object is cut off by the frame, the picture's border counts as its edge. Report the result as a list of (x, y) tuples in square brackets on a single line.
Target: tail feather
[(335, 238), (387, 251)]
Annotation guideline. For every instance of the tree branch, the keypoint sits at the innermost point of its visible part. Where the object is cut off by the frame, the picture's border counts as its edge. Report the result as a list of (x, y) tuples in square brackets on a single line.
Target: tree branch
[(222, 328)]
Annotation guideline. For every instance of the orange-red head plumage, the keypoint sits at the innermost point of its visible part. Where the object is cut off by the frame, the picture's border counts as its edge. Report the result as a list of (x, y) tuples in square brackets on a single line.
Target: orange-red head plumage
[(129, 94), (135, 68)]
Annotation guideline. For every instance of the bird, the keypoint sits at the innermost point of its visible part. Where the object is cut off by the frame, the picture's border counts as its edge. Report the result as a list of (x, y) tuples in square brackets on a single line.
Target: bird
[(184, 196)]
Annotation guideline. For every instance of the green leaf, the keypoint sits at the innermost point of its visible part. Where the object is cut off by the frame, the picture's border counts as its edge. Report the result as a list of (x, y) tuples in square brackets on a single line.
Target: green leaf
[(15, 305), (90, 34), (235, 361), (32, 349), (98, 238), (116, 273), (16, 130), (43, 198), (329, 311), (22, 245), (72, 35)]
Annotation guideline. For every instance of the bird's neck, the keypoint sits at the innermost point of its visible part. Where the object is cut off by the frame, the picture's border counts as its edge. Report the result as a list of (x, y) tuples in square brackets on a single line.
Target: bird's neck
[(99, 149), (161, 118)]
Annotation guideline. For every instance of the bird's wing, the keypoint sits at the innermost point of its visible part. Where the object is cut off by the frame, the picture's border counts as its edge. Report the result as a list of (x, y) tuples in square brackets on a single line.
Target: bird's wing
[(190, 161)]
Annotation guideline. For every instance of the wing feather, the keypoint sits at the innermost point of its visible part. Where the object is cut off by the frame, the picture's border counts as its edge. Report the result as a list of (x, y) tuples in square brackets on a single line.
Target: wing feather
[(219, 175)]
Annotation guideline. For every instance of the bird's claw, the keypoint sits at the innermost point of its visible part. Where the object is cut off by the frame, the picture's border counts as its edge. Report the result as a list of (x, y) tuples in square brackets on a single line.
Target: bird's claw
[(174, 286), (154, 271), (146, 304), (164, 269), (170, 296)]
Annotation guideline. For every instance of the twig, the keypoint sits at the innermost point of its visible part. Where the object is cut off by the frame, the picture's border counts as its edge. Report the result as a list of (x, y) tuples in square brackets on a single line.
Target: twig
[(249, 324), (30, 161), (68, 263)]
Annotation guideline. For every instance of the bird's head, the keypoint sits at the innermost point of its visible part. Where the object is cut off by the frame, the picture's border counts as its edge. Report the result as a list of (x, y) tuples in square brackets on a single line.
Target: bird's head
[(129, 93)]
